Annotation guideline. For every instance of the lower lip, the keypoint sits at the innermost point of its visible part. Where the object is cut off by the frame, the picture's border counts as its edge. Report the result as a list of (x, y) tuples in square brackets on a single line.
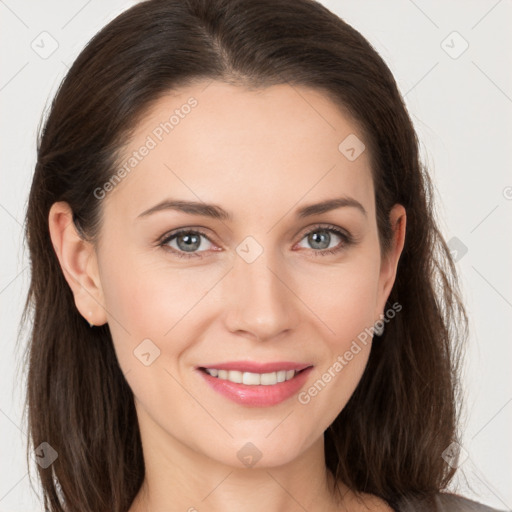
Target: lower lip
[(257, 396)]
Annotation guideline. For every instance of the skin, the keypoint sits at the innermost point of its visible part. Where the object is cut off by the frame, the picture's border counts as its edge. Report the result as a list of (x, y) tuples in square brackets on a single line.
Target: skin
[(260, 155)]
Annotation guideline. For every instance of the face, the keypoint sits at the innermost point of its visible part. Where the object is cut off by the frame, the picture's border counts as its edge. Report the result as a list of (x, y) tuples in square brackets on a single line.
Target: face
[(257, 284)]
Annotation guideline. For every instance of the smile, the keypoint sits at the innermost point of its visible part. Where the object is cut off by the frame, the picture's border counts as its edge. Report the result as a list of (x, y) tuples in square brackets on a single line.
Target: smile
[(256, 384), (252, 379)]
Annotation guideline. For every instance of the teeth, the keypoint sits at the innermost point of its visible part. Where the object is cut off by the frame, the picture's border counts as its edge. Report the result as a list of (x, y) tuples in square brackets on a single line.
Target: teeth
[(235, 376), (252, 379)]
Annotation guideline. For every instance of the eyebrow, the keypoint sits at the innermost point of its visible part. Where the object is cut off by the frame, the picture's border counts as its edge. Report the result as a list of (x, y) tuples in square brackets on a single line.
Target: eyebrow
[(216, 212)]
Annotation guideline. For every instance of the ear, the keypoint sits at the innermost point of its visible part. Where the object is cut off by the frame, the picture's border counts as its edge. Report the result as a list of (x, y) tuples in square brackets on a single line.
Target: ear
[(78, 261), (389, 263)]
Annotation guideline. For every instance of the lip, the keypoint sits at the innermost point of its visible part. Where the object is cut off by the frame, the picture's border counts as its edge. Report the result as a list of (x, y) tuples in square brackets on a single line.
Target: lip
[(257, 396), (254, 367)]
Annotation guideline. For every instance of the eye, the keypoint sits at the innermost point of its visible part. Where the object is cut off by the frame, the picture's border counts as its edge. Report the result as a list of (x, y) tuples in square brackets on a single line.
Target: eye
[(187, 241), (320, 237)]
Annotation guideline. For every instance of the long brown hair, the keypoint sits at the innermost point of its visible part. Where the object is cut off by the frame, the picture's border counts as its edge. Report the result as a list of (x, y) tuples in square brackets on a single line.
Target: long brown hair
[(390, 437)]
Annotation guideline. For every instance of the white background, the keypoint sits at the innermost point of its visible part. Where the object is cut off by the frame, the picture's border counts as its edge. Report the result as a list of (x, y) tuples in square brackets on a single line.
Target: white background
[(462, 110)]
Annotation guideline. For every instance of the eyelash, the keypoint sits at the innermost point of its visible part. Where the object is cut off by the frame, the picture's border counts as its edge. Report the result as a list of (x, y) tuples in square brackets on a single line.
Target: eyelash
[(347, 240)]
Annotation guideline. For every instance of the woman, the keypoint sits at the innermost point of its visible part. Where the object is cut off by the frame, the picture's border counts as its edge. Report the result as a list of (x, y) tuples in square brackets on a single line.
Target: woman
[(235, 273)]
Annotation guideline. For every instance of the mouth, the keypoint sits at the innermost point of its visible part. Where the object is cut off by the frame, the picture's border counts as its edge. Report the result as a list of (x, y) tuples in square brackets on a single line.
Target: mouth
[(252, 378), (245, 385)]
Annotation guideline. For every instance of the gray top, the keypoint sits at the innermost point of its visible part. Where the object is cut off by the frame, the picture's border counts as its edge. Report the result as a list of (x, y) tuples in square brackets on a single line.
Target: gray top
[(444, 502)]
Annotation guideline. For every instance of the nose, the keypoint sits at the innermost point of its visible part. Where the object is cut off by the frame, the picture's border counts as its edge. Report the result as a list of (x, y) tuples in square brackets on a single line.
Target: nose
[(261, 300)]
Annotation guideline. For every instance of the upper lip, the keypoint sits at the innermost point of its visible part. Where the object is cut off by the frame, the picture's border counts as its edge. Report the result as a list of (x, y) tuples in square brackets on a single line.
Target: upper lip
[(254, 367)]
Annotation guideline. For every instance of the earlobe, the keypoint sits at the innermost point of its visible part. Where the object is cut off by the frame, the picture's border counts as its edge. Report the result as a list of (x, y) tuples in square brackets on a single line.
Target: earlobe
[(77, 259)]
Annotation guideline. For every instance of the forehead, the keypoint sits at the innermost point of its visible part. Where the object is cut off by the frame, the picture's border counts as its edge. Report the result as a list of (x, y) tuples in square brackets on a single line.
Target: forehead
[(244, 149)]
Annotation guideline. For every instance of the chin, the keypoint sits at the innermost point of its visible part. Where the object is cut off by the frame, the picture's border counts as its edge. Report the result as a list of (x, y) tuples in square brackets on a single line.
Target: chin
[(263, 450)]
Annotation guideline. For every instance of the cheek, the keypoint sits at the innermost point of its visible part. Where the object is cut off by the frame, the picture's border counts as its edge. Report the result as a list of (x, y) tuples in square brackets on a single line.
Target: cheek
[(343, 298), (157, 302), (150, 311), (345, 305), (335, 379), (329, 390)]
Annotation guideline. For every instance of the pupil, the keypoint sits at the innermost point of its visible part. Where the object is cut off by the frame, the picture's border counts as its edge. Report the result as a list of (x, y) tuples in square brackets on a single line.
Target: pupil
[(315, 238), (189, 241)]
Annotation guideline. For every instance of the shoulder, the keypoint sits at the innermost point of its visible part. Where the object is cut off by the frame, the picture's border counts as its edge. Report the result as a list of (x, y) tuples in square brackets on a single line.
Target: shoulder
[(443, 502), (457, 503)]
